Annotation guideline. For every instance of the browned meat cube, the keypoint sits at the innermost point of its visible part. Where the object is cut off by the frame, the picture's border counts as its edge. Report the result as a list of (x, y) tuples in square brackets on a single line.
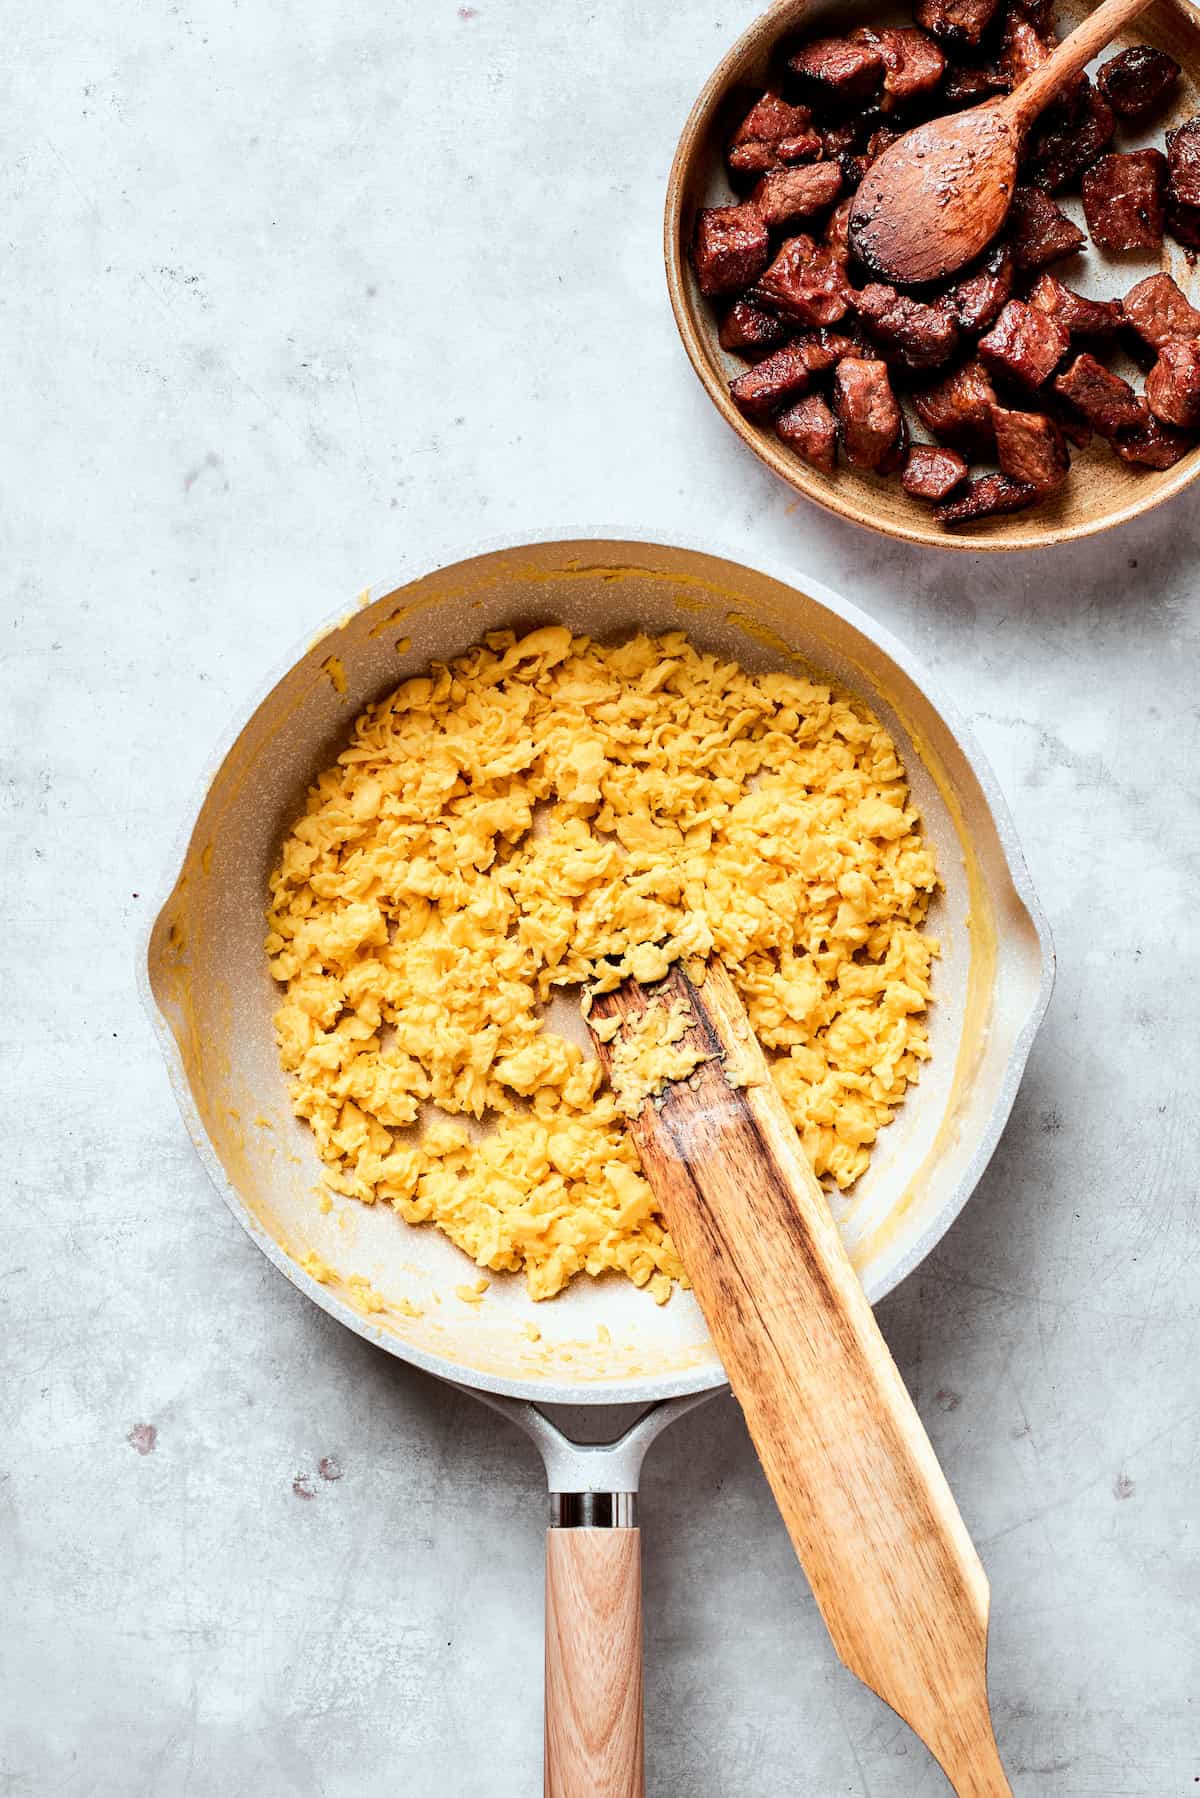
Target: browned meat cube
[(824, 349), (749, 331), (1040, 233), (1173, 384), (955, 21), (1183, 222), (731, 247), (1080, 316), (1151, 444), (907, 330), (810, 428), (806, 283), (1069, 136), (965, 84), (1183, 159), (1030, 447), (1107, 402), (837, 231), (783, 376), (894, 458), (1158, 311), (855, 167), (768, 129), (866, 410), (1138, 82), (1074, 427), (913, 64), (990, 496), (1025, 49), (958, 408), (839, 139), (977, 301), (932, 473), (1025, 345), (1124, 198), (835, 68), (797, 193)]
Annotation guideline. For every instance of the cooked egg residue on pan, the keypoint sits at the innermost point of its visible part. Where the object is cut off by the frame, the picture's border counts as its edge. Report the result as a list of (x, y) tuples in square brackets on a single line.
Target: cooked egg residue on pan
[(549, 813)]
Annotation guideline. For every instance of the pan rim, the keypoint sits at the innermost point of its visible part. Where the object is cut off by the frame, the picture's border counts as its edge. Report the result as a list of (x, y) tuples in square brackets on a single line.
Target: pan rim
[(438, 560)]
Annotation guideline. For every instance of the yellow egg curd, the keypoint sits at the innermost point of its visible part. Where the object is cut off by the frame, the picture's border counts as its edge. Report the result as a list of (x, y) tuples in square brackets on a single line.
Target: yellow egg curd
[(550, 813)]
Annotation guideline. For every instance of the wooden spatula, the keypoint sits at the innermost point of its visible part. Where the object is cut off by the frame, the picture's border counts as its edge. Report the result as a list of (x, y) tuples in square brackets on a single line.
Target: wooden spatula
[(939, 195), (856, 1480)]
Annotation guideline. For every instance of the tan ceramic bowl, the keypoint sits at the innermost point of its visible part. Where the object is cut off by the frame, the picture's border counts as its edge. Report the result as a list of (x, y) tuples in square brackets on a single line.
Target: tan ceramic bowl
[(1101, 491)]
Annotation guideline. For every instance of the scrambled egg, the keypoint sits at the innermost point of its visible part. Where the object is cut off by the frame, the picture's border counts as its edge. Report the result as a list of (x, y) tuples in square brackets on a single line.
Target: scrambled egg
[(648, 1054), (549, 813)]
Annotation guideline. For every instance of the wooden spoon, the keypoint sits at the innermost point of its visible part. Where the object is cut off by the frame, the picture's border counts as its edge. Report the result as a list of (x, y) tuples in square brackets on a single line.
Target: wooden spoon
[(939, 195), (859, 1487)]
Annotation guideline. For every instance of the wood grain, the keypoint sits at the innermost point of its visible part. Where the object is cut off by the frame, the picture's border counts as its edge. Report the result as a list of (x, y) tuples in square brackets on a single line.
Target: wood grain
[(594, 1745), (852, 1470)]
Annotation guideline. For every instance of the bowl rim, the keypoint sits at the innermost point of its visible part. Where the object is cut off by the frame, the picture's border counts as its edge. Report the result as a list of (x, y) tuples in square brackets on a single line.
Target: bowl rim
[(772, 24), (448, 554)]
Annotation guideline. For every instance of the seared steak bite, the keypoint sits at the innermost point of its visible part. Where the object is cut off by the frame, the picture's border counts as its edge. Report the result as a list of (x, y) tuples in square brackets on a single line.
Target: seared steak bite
[(991, 495), (978, 300), (749, 331), (866, 410), (731, 248), (932, 473), (1030, 447), (1183, 163), (1069, 136), (1025, 345), (1151, 444), (1124, 198), (810, 428), (806, 283), (1158, 311), (1038, 231), (797, 193), (836, 236), (1025, 48), (824, 348), (834, 68), (771, 134), (913, 64), (762, 390), (1080, 316), (958, 409), (965, 84), (1107, 402), (955, 21), (1173, 384), (907, 330), (1138, 82)]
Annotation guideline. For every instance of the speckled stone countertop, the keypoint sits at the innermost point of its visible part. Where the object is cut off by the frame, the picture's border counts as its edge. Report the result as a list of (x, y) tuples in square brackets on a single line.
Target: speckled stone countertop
[(288, 295)]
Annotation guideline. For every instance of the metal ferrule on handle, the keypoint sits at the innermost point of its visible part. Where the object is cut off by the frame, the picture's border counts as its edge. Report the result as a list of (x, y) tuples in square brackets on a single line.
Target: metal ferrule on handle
[(593, 1510)]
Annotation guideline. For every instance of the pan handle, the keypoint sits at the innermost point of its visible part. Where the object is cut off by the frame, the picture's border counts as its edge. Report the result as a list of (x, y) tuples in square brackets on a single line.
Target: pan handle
[(594, 1732)]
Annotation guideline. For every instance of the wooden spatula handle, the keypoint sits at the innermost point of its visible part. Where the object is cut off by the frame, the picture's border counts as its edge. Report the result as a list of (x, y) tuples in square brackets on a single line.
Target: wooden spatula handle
[(858, 1485), (594, 1745)]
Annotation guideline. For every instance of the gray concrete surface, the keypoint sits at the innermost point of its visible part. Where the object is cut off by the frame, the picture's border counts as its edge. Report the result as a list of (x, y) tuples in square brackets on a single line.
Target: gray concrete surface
[(287, 293)]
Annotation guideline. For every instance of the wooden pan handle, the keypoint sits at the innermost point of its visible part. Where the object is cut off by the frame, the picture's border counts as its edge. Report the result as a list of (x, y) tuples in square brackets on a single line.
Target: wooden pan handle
[(594, 1664)]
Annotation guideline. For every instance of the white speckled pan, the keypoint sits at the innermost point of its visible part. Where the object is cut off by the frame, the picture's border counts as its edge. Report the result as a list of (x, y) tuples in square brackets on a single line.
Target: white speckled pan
[(212, 998)]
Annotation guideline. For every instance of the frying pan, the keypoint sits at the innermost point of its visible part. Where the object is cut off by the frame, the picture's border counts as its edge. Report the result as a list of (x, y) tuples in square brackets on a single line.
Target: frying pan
[(597, 1373)]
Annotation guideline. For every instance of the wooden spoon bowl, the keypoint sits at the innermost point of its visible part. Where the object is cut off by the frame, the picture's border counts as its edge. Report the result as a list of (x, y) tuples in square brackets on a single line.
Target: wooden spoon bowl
[(1102, 491)]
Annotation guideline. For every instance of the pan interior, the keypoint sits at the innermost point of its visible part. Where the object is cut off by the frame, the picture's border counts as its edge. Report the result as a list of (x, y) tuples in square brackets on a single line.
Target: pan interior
[(600, 1339)]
